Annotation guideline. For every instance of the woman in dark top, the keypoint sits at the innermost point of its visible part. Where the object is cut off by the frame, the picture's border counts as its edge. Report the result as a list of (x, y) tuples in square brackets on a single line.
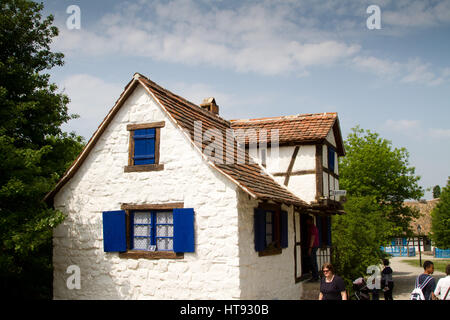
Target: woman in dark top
[(332, 287), (387, 283)]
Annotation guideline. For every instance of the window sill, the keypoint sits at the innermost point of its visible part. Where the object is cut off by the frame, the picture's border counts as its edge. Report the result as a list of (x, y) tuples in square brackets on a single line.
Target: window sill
[(270, 252), (151, 255), (144, 168)]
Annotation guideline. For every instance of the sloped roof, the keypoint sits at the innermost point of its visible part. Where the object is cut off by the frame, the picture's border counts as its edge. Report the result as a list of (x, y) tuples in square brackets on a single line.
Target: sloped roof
[(292, 130), (250, 177), (425, 208)]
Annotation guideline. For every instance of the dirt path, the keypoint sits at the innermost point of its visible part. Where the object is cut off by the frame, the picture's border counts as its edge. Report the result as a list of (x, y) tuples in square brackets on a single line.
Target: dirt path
[(405, 276)]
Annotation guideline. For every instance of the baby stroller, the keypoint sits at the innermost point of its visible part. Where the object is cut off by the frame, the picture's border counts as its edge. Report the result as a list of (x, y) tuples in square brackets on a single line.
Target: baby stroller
[(361, 290)]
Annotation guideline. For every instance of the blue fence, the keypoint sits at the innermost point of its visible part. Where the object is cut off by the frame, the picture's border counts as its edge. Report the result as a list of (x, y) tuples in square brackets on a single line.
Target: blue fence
[(400, 251), (441, 253)]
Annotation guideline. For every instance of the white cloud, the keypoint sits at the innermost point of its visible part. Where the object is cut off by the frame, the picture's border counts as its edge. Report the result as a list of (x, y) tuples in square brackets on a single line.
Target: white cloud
[(413, 71), (439, 133), (263, 38), (417, 13), (413, 128), (267, 37), (403, 125), (91, 98)]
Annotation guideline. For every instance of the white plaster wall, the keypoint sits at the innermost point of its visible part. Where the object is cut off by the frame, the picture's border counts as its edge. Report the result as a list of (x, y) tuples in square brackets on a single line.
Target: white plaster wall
[(279, 162), (304, 186), (268, 277), (212, 272), (330, 138), (306, 158), (325, 184), (325, 156)]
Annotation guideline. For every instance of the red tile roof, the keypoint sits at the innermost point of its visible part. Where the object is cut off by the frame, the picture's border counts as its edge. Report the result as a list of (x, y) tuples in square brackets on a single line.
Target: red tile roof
[(292, 130), (250, 177)]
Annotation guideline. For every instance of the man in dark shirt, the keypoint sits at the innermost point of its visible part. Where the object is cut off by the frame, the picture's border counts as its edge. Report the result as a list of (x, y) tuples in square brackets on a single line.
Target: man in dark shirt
[(428, 290), (313, 245)]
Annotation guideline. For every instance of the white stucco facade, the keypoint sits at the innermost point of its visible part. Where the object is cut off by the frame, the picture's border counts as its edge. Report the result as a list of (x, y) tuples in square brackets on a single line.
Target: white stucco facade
[(224, 264)]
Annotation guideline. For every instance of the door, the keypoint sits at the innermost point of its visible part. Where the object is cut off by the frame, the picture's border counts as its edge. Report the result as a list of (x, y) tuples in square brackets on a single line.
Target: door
[(301, 247)]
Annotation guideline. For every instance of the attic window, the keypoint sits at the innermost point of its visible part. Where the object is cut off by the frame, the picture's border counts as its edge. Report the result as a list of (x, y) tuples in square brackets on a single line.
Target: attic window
[(143, 151)]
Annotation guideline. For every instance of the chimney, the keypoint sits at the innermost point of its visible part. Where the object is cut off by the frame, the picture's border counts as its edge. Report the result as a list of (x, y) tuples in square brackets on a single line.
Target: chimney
[(210, 105)]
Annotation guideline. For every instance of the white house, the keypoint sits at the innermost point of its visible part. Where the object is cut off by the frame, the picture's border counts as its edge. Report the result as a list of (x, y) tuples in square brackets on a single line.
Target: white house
[(159, 206)]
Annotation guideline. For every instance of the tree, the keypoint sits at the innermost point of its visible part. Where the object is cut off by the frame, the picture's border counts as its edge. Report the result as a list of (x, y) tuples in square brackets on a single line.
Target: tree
[(378, 179), (372, 167), (440, 219), (358, 235), (34, 152), (436, 192)]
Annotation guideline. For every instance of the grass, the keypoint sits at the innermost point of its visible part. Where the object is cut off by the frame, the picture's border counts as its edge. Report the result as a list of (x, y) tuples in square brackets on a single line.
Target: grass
[(439, 264)]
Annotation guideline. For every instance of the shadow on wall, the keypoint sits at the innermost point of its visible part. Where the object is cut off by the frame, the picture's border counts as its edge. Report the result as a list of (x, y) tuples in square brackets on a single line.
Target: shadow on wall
[(268, 277), (78, 242)]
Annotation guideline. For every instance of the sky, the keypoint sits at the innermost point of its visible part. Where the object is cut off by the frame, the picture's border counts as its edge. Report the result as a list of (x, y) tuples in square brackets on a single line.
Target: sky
[(271, 58)]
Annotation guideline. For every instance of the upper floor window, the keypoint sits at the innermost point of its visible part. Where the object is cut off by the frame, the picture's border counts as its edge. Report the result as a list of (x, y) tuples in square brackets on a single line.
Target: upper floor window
[(143, 152), (331, 158)]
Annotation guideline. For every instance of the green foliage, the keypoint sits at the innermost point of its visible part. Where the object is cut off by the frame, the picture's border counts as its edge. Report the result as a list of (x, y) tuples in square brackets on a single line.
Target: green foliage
[(440, 219), (378, 179), (34, 152), (372, 167), (436, 192), (358, 235)]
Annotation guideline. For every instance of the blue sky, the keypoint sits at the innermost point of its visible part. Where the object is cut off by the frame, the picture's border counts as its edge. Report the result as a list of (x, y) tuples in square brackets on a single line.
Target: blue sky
[(270, 58)]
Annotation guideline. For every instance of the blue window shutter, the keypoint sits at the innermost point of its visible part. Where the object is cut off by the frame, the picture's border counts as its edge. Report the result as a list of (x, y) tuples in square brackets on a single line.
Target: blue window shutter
[(405, 242), (284, 229), (319, 228), (329, 230), (183, 230), (331, 158), (114, 231), (260, 229), (144, 146)]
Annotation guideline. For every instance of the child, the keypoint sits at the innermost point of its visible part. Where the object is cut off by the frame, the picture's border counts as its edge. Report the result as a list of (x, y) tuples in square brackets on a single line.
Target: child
[(387, 283)]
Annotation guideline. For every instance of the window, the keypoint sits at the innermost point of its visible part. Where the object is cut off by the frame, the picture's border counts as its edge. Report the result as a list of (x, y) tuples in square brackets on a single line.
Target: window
[(271, 230), (144, 147), (149, 231), (331, 158), (152, 230)]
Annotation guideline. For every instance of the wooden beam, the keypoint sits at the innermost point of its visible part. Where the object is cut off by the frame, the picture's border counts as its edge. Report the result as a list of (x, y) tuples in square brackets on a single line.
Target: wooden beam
[(159, 124), (144, 167), (291, 165), (160, 206)]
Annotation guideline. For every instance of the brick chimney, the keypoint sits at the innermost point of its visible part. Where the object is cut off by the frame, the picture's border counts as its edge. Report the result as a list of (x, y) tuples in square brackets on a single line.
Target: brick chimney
[(210, 105)]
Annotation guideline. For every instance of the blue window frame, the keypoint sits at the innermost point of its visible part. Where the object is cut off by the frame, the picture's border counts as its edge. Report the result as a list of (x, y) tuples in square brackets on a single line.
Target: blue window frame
[(271, 229), (144, 146), (152, 230)]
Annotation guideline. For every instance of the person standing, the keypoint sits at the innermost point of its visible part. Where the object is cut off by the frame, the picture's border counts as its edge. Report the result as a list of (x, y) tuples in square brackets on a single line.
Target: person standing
[(426, 278), (332, 287), (443, 286), (313, 245), (387, 283)]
